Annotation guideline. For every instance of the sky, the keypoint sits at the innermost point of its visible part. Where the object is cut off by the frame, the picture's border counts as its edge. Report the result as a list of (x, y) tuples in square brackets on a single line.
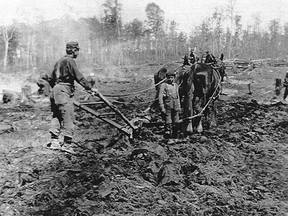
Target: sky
[(187, 13)]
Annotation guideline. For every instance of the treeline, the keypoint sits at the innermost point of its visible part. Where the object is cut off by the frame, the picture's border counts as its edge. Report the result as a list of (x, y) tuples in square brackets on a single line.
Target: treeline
[(109, 41)]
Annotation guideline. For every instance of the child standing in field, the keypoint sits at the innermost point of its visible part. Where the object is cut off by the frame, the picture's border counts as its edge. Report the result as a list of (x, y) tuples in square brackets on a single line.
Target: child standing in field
[(169, 102)]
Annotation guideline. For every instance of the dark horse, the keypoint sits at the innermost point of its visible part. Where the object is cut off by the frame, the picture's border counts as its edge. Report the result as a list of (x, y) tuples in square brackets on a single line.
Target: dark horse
[(202, 87), (199, 87)]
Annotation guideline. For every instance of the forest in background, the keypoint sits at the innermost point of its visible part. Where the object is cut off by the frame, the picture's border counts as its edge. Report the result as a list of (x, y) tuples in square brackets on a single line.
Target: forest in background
[(107, 40)]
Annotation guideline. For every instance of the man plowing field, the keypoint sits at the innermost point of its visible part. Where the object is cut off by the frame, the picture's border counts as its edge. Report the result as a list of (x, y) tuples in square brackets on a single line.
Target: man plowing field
[(61, 80)]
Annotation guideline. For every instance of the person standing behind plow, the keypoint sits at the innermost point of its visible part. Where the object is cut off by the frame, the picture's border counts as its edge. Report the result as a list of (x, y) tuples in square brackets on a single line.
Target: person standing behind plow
[(169, 102), (61, 80)]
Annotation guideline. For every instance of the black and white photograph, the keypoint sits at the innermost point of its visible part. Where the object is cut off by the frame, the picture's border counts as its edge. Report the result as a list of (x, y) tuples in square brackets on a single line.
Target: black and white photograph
[(143, 108)]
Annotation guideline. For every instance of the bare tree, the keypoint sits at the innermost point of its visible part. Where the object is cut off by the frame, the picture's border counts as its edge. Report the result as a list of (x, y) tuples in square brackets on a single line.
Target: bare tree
[(155, 20), (112, 26), (172, 43), (7, 36), (231, 16), (217, 19), (274, 29)]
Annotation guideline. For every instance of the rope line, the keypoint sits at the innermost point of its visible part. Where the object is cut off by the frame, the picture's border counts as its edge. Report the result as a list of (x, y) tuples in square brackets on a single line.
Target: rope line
[(138, 92), (135, 93), (120, 102)]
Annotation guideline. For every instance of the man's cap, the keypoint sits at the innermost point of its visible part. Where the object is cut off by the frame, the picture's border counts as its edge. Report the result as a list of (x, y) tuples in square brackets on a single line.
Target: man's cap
[(72, 45), (170, 73)]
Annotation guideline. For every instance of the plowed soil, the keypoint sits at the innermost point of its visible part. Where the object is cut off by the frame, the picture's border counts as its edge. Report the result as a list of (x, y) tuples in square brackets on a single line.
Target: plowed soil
[(238, 168)]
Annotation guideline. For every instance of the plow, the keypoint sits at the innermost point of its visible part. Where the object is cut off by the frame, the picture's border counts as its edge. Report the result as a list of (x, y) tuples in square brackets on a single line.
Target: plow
[(126, 126)]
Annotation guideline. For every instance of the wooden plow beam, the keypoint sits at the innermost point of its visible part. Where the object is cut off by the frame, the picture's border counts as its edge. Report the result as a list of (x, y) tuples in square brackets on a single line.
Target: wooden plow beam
[(128, 129)]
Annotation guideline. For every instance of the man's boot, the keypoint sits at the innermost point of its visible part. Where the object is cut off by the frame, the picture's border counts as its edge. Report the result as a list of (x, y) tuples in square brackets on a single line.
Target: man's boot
[(170, 136), (54, 144), (67, 145)]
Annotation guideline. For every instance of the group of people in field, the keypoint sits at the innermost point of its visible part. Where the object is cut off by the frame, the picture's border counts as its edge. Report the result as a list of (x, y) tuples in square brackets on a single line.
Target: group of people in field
[(65, 73)]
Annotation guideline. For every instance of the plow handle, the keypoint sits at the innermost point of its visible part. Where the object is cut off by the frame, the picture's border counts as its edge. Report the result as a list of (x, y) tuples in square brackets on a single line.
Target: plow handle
[(95, 92)]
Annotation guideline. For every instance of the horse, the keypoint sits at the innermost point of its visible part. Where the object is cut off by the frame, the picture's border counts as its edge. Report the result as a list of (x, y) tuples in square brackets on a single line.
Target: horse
[(199, 87), (202, 87)]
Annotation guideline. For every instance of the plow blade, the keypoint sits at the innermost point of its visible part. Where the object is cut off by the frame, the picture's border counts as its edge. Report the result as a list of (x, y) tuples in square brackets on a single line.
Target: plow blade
[(129, 126), (128, 131)]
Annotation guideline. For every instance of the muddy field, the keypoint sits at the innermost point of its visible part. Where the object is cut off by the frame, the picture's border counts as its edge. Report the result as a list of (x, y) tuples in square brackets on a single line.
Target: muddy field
[(238, 168)]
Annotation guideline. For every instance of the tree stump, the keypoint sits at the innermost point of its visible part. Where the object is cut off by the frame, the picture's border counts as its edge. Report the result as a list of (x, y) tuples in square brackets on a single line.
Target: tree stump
[(278, 85), (26, 91), (11, 97)]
